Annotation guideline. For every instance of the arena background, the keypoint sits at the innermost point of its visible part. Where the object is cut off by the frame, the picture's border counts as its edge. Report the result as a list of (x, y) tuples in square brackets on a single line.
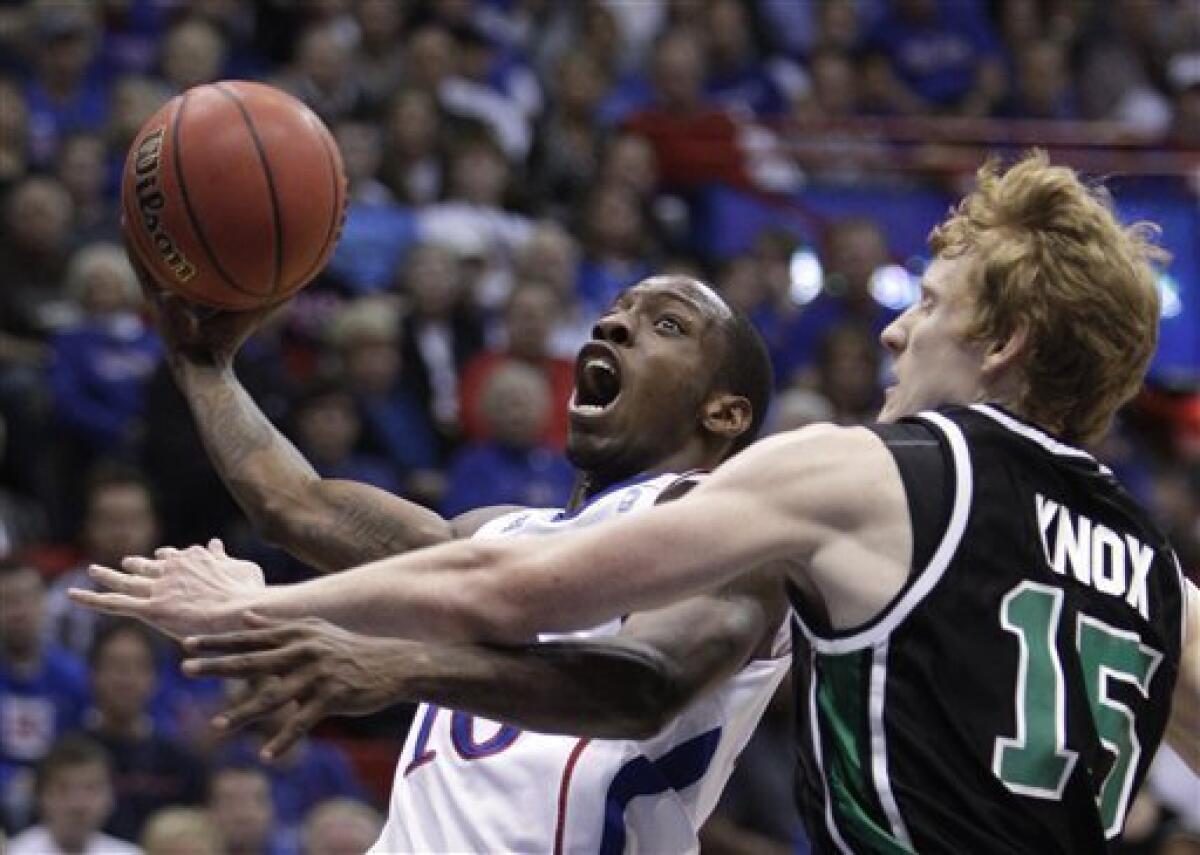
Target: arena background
[(513, 165)]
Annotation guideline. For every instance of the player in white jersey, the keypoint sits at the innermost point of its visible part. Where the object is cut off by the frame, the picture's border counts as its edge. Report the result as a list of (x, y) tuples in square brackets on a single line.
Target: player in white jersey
[(673, 381), (466, 783)]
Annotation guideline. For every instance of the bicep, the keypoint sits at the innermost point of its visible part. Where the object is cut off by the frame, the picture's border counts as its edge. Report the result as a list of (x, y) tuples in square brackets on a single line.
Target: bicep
[(779, 500)]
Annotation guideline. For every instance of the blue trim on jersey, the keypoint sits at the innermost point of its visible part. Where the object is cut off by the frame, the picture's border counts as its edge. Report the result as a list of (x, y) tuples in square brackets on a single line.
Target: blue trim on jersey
[(607, 491), (682, 766), (462, 734)]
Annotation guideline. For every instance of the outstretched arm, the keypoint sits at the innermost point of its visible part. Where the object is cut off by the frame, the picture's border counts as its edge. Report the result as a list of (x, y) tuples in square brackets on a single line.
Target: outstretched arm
[(626, 686), (826, 499), (1183, 728), (329, 523)]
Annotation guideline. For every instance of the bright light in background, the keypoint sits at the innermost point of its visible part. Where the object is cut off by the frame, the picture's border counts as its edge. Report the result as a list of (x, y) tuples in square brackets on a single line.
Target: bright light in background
[(1168, 290), (893, 286), (805, 273)]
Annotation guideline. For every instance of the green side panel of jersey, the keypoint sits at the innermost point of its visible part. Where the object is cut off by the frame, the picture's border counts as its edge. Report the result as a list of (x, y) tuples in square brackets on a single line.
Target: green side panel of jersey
[(841, 696)]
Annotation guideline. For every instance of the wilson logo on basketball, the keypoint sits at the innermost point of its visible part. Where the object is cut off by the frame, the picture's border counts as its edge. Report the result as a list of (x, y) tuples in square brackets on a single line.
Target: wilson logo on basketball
[(150, 200)]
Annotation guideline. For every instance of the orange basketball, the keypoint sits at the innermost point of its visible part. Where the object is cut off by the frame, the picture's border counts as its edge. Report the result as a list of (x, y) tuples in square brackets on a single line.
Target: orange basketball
[(234, 195)]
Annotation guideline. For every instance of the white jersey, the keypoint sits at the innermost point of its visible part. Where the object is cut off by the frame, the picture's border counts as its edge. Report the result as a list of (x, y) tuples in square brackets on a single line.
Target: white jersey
[(469, 784)]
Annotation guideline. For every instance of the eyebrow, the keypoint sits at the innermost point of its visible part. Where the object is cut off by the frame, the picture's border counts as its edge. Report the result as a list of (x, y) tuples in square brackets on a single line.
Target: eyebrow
[(693, 305), (624, 301)]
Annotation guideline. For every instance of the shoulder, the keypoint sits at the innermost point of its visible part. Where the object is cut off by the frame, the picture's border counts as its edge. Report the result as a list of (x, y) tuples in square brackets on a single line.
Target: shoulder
[(811, 451)]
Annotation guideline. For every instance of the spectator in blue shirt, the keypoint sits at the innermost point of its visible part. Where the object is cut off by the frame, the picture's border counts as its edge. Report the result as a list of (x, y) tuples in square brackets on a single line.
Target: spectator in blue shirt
[(413, 131), (737, 76), (99, 369), (150, 769), (937, 56), (327, 429), (854, 250), (377, 231), (306, 774), (513, 468), (67, 91), (743, 283), (616, 247), (43, 690), (82, 167), (120, 517), (365, 337), (1042, 88)]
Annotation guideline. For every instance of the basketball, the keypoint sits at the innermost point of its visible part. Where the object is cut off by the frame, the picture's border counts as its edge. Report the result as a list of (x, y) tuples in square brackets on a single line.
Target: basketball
[(233, 195)]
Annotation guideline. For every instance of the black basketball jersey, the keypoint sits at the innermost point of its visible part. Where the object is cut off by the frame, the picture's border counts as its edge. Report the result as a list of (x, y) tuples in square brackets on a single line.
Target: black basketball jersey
[(1011, 696)]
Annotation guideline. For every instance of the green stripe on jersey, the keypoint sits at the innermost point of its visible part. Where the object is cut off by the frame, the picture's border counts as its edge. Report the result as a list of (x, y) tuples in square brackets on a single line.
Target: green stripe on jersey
[(841, 696)]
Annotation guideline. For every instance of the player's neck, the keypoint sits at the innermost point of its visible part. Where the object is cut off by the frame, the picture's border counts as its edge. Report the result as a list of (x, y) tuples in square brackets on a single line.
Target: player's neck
[(589, 484)]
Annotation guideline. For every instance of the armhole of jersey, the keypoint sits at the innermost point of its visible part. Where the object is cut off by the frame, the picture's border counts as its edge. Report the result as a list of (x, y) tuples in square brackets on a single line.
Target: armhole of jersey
[(920, 581), (681, 486)]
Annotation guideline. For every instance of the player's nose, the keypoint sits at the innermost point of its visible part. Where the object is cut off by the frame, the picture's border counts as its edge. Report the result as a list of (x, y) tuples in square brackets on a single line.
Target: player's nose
[(614, 329), (894, 336)]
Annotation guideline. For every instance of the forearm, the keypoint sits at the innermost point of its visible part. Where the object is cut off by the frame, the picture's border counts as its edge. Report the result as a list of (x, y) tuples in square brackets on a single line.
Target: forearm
[(330, 524), (262, 469), (506, 591), (431, 594), (612, 689)]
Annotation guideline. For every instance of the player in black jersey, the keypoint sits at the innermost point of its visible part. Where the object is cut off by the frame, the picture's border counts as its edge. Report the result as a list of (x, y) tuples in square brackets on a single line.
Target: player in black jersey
[(997, 636)]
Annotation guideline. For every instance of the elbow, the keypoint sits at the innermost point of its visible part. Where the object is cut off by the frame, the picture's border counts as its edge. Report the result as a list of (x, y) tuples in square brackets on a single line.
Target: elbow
[(644, 723), (281, 516), (276, 520), (654, 694), (661, 702)]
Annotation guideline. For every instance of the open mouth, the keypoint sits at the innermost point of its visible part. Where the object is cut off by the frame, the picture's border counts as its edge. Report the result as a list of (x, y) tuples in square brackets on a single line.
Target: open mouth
[(597, 380)]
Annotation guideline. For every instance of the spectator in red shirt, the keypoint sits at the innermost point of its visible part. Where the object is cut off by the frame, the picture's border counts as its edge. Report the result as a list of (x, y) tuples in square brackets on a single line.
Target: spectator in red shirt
[(529, 320)]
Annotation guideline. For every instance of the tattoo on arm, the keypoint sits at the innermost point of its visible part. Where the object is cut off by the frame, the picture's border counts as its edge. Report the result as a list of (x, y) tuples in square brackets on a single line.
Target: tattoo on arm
[(360, 524), (234, 429), (330, 524)]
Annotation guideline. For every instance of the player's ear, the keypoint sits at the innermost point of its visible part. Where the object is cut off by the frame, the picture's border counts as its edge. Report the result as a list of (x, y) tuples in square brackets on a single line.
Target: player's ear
[(1003, 355), (727, 415)]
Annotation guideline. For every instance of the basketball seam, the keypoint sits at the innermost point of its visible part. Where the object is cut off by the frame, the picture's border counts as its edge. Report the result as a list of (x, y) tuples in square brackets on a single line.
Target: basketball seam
[(187, 206), (266, 167), (338, 210)]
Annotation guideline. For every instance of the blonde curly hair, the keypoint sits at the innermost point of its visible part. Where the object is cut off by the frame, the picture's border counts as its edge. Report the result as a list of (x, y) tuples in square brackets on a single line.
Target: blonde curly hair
[(1050, 258)]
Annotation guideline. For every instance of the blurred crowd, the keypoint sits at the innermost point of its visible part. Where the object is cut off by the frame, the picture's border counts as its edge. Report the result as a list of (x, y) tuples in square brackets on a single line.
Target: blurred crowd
[(513, 165)]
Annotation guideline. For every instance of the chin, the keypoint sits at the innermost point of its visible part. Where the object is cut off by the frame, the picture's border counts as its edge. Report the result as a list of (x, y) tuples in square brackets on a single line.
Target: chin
[(585, 452)]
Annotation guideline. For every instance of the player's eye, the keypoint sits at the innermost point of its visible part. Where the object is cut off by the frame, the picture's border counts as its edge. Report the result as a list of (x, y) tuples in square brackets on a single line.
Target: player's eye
[(669, 325)]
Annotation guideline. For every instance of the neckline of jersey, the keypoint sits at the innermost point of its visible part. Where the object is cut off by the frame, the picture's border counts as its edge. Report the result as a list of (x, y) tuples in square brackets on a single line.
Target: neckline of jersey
[(1012, 422), (640, 478)]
